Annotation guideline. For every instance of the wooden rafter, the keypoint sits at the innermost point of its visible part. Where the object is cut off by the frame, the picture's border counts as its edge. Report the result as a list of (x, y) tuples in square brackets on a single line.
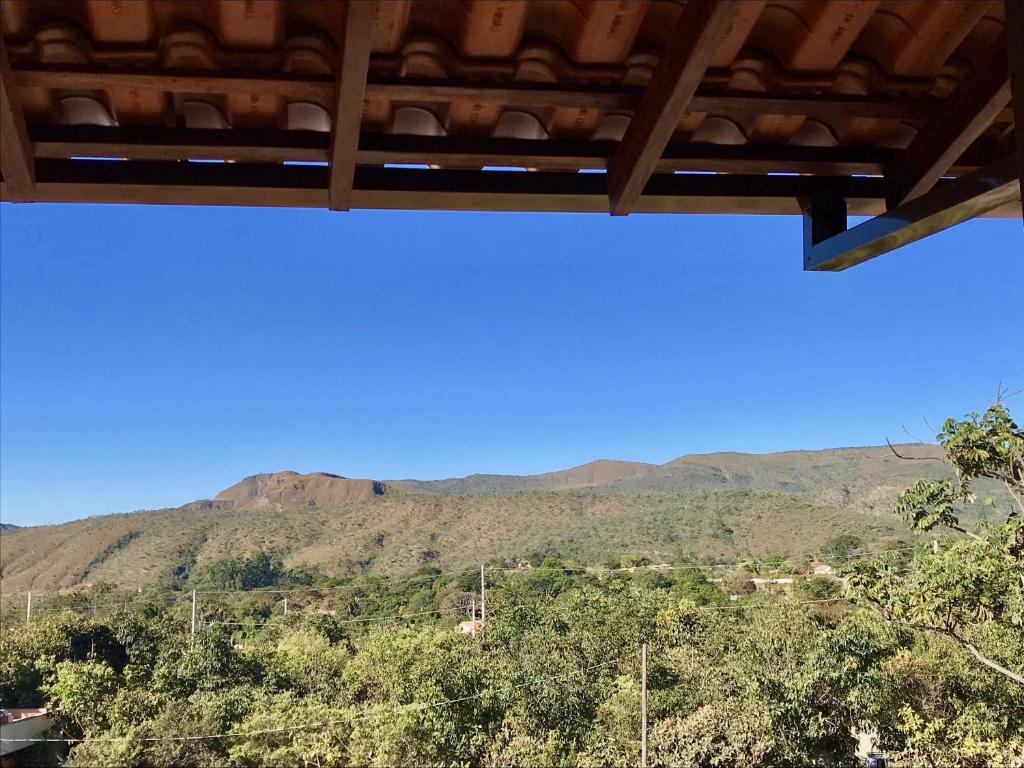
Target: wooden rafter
[(348, 112), (16, 160), (111, 181), (518, 95), (276, 146), (700, 30), (306, 87), (830, 247), (969, 110), (1015, 52)]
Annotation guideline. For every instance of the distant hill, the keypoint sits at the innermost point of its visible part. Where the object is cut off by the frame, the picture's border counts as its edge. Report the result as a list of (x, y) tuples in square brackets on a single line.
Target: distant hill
[(864, 479), (398, 533), (8, 527), (708, 506), (288, 489)]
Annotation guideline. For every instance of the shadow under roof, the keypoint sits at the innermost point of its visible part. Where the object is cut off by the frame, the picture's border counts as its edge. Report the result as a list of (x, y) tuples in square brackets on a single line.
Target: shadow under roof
[(723, 106)]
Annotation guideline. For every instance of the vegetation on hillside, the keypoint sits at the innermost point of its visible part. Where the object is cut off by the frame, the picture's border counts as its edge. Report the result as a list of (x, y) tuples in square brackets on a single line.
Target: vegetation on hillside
[(395, 535), (969, 590)]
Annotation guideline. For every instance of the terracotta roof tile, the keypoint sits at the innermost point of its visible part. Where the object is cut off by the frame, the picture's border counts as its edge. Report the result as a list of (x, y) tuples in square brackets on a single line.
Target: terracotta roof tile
[(600, 53)]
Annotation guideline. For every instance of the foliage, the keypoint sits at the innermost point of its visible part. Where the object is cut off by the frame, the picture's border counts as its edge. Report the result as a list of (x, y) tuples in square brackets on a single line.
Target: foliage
[(254, 572), (83, 692), (373, 671), (841, 547), (969, 591), (764, 682), (988, 446)]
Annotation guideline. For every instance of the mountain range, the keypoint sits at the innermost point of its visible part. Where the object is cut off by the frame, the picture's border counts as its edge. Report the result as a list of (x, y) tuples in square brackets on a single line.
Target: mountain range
[(708, 506)]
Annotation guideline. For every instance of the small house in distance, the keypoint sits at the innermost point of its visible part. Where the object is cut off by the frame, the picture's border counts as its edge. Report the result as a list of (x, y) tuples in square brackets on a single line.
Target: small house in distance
[(471, 626), (821, 569), (784, 584)]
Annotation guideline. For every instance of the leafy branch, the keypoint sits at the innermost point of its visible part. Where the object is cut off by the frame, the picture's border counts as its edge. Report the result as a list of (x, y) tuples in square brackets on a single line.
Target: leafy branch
[(978, 580)]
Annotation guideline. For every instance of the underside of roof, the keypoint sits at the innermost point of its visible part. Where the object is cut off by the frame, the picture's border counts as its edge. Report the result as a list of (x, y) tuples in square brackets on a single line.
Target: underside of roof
[(720, 106)]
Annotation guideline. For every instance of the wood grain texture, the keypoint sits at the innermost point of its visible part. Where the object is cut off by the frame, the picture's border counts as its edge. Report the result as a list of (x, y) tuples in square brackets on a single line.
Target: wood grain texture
[(17, 163), (968, 111), (512, 95), (699, 32), (267, 146), (348, 113), (175, 183), (1015, 52)]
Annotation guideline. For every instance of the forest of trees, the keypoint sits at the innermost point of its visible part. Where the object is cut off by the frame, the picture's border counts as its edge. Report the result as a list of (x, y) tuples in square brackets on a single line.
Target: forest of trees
[(920, 646)]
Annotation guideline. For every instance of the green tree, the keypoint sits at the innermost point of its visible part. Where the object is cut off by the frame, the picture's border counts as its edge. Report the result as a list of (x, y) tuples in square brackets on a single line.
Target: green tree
[(739, 583), (82, 693), (840, 548), (970, 591)]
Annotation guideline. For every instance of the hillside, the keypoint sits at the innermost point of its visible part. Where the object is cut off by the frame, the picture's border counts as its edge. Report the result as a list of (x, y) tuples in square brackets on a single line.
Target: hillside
[(709, 506), (862, 479), (288, 489), (399, 533)]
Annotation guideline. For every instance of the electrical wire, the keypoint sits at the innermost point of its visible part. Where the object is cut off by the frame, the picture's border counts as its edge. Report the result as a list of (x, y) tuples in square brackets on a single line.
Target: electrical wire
[(357, 620), (169, 598), (325, 723), (386, 580), (589, 571), (853, 554)]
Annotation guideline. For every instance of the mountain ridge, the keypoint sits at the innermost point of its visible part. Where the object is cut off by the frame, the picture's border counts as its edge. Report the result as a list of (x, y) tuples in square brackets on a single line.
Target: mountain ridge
[(867, 478), (284, 487), (698, 506)]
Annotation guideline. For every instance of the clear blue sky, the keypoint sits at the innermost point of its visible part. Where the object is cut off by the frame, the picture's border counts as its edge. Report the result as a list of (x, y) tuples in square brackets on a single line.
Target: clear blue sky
[(154, 355)]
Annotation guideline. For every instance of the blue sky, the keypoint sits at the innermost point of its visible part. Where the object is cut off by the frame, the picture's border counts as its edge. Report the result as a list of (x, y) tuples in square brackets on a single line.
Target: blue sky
[(153, 355)]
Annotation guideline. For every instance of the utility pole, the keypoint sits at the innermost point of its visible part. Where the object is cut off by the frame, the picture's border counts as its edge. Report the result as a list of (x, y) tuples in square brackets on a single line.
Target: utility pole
[(28, 609), (483, 597), (286, 606), (193, 642), (643, 706)]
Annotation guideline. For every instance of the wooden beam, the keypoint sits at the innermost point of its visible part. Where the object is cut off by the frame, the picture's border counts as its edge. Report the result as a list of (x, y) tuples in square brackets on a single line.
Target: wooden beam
[(828, 249), (969, 110), (305, 87), (824, 107), (573, 155), (245, 145), (1015, 52), (516, 95), (276, 146), (727, 104), (109, 181), (348, 111), (700, 30), (827, 108), (17, 163)]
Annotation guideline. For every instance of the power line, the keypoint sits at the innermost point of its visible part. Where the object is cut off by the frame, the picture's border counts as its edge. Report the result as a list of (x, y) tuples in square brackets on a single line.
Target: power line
[(325, 723), (384, 580), (752, 606), (362, 585), (80, 607), (591, 571), (171, 597), (852, 554), (356, 620)]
